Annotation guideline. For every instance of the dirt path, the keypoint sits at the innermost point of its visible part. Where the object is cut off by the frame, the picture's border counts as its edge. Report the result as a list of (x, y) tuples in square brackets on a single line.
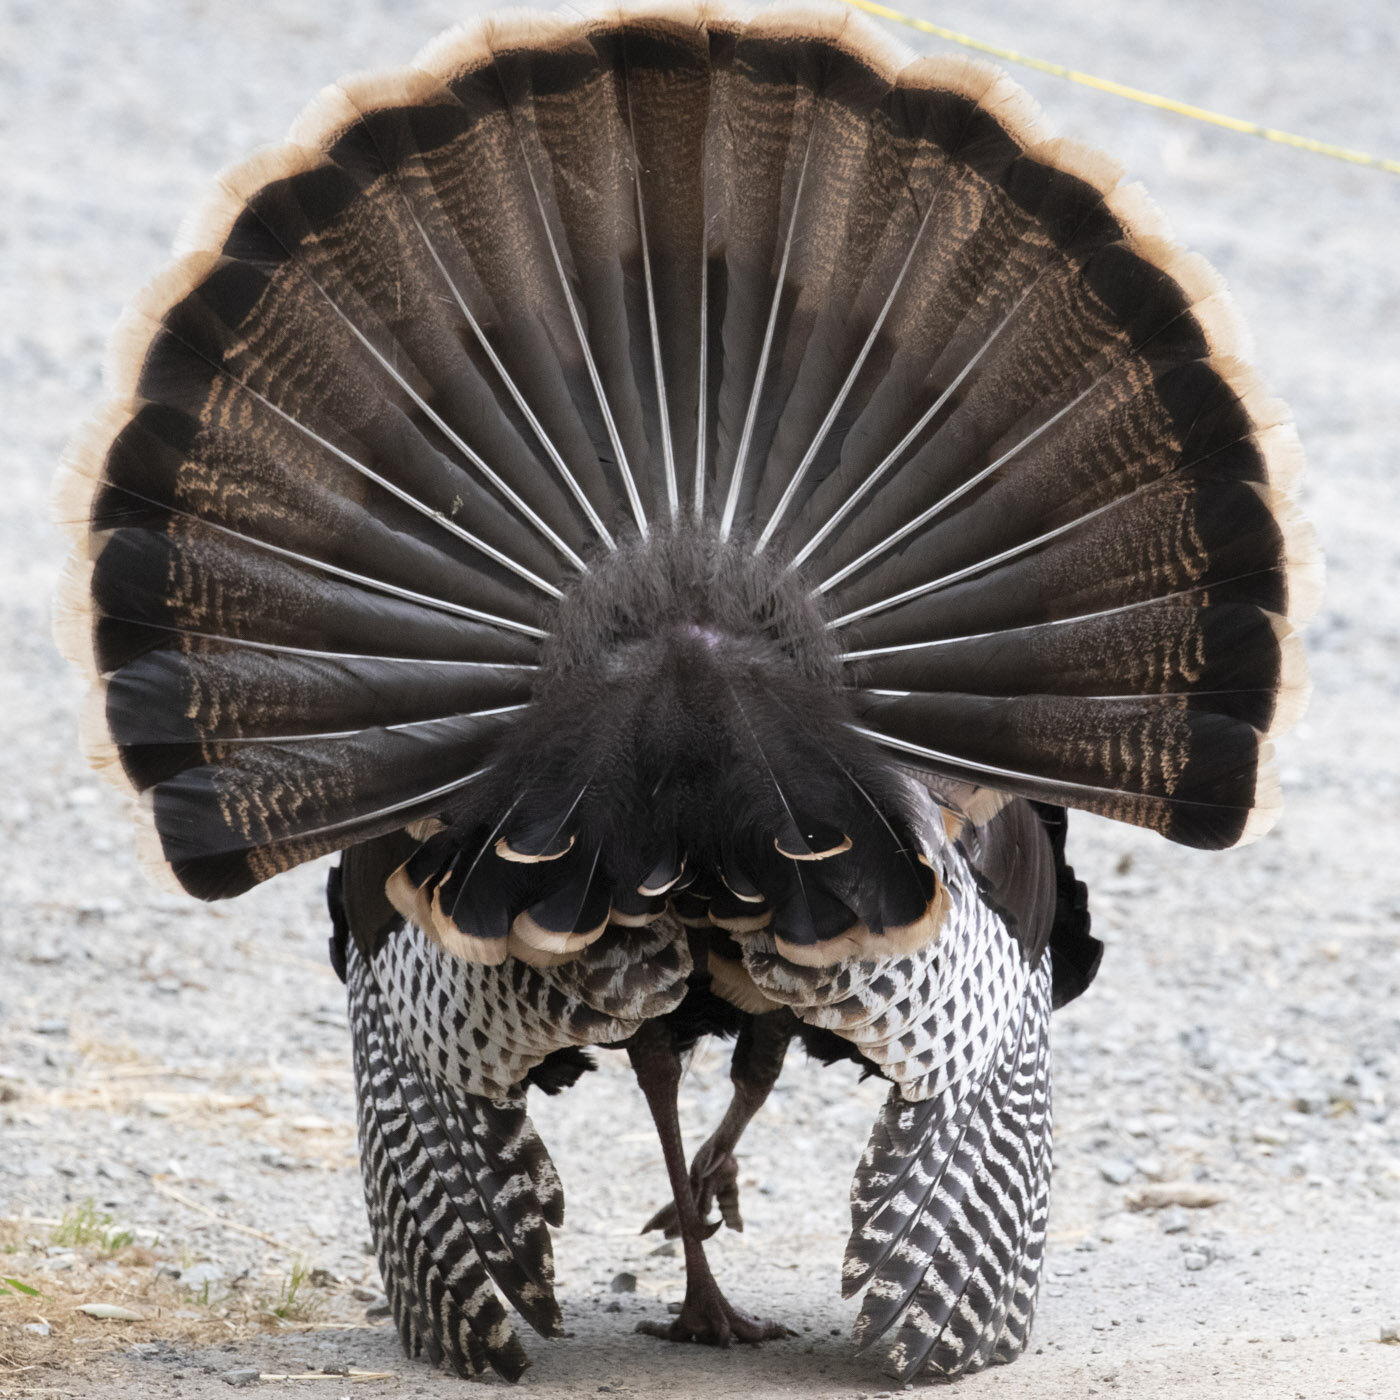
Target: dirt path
[(184, 1068)]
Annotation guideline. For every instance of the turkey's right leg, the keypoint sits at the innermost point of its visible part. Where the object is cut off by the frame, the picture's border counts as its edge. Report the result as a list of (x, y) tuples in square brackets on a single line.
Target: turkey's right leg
[(706, 1315), (714, 1174)]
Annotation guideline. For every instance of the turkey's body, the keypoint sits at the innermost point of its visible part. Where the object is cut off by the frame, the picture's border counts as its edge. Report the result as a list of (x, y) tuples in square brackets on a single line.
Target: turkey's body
[(685, 504)]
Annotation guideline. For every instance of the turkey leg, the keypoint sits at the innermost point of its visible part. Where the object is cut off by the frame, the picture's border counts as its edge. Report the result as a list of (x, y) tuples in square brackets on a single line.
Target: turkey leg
[(714, 1174), (707, 1315)]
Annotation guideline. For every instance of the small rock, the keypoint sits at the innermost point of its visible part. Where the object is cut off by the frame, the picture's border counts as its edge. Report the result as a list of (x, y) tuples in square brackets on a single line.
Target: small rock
[(674, 1308), (1274, 1137), (665, 1251), (1194, 1260), (364, 1295), (378, 1308), (1116, 1171), (1151, 1167), (323, 1278), (201, 1275), (1390, 1333), (244, 1375), (623, 1283), (1174, 1221), (612, 1306), (52, 1025), (168, 984), (113, 1171), (40, 1329)]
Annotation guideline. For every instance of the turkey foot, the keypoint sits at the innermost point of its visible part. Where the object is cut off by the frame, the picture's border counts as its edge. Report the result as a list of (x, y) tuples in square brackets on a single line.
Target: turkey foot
[(714, 1179), (710, 1318)]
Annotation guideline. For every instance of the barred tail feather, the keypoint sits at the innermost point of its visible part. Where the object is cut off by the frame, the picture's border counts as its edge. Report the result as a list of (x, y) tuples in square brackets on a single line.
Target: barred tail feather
[(948, 1209), (460, 1195)]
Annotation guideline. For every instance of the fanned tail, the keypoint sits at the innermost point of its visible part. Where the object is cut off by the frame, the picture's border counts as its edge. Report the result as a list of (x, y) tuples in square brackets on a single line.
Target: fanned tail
[(562, 284)]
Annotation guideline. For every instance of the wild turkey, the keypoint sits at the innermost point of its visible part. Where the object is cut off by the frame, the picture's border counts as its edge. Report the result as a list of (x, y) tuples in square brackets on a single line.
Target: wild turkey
[(685, 504)]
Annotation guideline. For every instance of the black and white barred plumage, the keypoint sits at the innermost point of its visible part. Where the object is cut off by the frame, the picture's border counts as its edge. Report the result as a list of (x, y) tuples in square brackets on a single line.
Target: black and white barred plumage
[(685, 502)]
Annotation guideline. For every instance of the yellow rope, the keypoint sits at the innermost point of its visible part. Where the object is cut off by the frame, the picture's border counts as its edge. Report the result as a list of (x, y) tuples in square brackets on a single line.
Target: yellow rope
[(1150, 99)]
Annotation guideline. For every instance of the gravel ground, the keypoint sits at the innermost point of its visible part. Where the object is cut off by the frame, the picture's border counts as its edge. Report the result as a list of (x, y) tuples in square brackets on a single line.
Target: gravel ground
[(184, 1068)]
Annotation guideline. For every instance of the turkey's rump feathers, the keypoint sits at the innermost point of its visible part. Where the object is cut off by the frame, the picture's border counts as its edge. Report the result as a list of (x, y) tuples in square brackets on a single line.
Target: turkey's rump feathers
[(563, 286)]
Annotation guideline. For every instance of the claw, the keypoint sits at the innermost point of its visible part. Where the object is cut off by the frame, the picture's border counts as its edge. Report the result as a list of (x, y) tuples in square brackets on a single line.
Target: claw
[(712, 1182)]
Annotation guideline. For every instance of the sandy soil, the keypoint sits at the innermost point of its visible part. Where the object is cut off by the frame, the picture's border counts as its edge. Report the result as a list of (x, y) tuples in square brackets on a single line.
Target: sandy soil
[(185, 1068)]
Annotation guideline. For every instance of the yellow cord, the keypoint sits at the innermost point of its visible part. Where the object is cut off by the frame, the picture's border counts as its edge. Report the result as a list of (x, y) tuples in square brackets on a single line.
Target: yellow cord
[(1150, 99)]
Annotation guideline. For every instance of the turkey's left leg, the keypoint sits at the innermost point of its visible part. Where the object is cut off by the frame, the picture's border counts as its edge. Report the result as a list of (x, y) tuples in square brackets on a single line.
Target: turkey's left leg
[(707, 1315)]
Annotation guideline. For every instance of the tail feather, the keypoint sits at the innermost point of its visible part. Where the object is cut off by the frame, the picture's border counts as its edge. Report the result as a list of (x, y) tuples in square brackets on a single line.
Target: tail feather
[(954, 1247), (562, 283), (453, 1200)]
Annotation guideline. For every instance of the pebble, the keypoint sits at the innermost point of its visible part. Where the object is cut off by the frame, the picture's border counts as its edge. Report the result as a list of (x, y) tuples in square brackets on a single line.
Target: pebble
[(244, 1375), (42, 1329), (201, 1275), (665, 1251), (1390, 1332), (1195, 1261), (623, 1283), (361, 1294), (379, 1307), (53, 1025), (1117, 1171)]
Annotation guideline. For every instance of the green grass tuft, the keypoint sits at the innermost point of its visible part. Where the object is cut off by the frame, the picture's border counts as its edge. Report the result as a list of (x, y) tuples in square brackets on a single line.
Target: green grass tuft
[(85, 1225), (294, 1300)]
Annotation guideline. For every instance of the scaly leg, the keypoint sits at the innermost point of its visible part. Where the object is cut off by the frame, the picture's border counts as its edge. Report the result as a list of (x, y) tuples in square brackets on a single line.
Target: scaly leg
[(714, 1174), (706, 1316)]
